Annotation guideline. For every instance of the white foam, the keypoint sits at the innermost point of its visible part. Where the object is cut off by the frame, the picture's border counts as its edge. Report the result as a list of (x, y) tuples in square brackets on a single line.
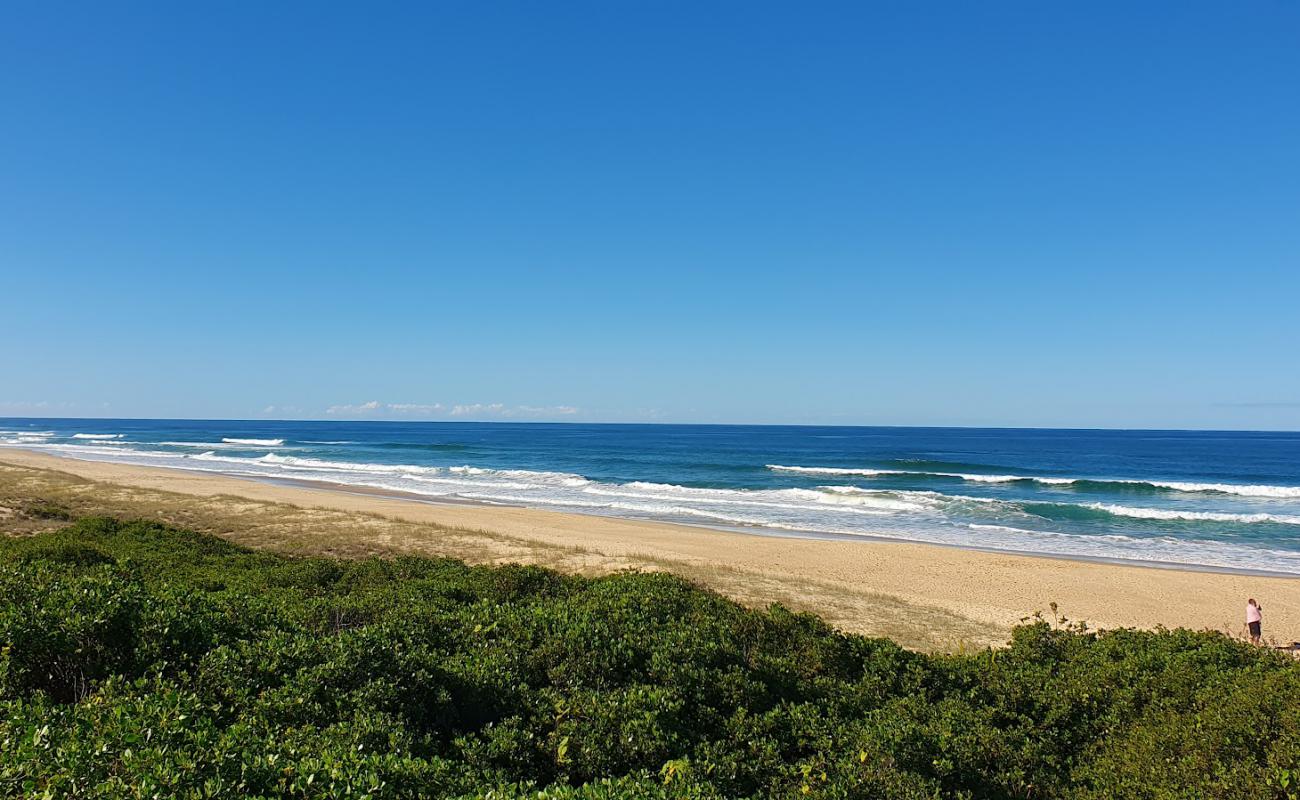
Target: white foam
[(975, 526), (850, 497), (873, 473), (835, 470), (255, 442), (566, 479), (100, 449), (965, 476), (339, 470), (320, 464), (1193, 516), (1241, 489), (880, 501), (861, 511), (938, 497), (98, 435), (757, 499), (425, 480), (1244, 490), (650, 509)]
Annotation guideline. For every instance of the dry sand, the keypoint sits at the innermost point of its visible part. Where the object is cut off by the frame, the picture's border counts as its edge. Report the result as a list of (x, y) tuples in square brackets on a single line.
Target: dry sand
[(923, 596)]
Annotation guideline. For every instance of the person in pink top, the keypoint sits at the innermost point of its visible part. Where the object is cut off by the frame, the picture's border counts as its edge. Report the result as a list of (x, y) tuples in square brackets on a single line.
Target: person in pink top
[(1254, 616)]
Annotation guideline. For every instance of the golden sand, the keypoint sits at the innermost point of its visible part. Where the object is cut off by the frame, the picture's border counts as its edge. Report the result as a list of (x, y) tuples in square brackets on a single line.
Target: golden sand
[(923, 596)]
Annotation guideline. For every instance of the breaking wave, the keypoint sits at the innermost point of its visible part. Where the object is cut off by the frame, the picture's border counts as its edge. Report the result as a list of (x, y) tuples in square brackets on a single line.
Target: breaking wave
[(1195, 516), (1241, 490)]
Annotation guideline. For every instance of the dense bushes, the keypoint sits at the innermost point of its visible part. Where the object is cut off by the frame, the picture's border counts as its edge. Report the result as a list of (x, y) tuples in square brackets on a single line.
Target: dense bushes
[(142, 661)]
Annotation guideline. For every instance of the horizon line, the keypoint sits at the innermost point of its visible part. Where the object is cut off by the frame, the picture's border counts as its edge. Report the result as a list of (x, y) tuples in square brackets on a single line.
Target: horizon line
[(674, 424)]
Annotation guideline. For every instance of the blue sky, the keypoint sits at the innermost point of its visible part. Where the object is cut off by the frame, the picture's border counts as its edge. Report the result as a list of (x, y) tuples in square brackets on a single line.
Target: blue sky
[(1008, 213)]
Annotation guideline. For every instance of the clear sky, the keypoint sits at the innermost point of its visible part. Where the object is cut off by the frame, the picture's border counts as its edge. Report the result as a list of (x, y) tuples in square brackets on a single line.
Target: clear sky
[(995, 213)]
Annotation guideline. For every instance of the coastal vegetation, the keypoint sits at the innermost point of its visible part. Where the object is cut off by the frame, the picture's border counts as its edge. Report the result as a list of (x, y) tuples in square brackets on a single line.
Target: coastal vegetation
[(142, 660)]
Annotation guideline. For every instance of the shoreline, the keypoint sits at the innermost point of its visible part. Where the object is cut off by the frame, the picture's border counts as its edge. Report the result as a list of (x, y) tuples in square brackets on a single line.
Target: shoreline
[(753, 530), (944, 594), (779, 532)]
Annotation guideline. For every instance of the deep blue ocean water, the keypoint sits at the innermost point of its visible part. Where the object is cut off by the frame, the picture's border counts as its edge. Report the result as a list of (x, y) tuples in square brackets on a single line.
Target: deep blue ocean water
[(1217, 499)]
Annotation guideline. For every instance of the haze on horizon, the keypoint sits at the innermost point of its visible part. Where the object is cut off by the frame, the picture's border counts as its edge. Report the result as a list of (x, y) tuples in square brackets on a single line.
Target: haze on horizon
[(1019, 214)]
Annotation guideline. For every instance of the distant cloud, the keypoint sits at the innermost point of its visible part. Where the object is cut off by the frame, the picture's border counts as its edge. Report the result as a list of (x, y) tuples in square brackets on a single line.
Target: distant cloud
[(1274, 404), (502, 410), (378, 410), (363, 408), (477, 409), (25, 404), (22, 407), (416, 408), (559, 411), (282, 410)]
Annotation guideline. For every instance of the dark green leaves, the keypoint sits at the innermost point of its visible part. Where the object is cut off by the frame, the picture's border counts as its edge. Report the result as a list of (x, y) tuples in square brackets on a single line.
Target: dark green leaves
[(142, 661)]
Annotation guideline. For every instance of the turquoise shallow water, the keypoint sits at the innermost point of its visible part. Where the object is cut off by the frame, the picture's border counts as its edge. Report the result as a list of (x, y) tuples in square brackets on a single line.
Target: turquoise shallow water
[(1216, 499)]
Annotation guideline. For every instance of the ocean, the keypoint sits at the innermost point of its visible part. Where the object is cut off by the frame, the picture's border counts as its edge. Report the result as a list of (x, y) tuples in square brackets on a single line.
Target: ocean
[(1202, 498)]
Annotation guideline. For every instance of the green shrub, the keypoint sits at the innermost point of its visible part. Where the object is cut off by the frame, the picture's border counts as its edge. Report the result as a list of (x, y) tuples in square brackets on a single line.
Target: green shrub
[(138, 660)]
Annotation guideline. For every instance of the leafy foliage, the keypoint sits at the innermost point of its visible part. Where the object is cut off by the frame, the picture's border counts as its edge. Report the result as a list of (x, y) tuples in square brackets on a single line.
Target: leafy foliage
[(142, 661)]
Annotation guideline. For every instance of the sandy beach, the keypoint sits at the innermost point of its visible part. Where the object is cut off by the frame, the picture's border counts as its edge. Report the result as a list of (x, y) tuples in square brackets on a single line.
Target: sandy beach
[(924, 596)]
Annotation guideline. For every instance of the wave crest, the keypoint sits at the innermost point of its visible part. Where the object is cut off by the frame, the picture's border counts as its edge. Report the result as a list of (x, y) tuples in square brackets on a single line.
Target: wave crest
[(1193, 516), (1239, 489)]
